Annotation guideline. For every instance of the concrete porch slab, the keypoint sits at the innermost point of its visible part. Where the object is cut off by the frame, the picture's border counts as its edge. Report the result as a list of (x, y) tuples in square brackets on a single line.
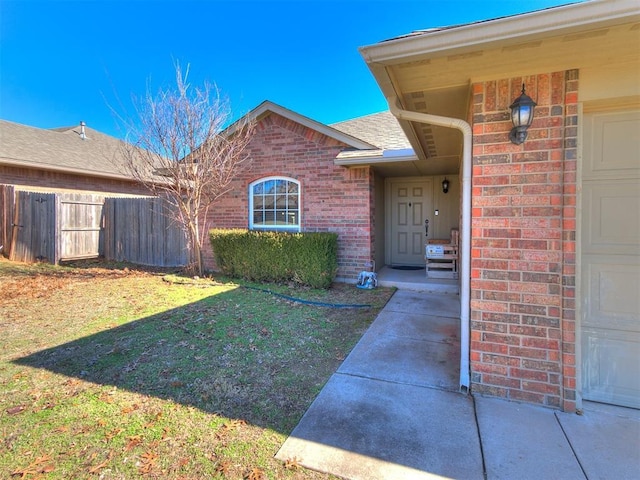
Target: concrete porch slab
[(365, 429), (416, 280), (418, 326), (407, 345), (405, 360), (439, 305)]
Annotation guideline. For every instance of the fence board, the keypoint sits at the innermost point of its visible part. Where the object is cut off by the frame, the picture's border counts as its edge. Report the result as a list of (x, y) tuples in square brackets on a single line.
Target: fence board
[(6, 219), (140, 230), (64, 226), (79, 227), (34, 222)]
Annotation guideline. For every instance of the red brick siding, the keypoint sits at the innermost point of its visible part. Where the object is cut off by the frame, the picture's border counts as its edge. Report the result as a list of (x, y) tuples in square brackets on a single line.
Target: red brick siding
[(49, 179), (523, 243), (333, 198)]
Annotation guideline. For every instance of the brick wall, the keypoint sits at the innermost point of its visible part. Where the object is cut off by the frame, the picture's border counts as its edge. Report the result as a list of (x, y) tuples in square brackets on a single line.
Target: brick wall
[(333, 198), (523, 243), (29, 177)]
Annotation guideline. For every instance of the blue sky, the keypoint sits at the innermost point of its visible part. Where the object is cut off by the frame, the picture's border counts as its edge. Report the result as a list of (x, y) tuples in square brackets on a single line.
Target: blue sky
[(62, 61)]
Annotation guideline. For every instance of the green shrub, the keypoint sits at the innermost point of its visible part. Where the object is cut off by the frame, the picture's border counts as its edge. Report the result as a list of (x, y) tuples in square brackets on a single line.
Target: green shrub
[(305, 258)]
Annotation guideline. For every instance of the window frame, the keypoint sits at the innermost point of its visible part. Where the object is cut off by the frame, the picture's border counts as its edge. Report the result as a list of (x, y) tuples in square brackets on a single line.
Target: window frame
[(285, 228)]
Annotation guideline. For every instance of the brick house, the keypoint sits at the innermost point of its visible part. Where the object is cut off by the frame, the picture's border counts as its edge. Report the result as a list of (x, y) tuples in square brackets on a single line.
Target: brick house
[(550, 228), (549, 256), (307, 176)]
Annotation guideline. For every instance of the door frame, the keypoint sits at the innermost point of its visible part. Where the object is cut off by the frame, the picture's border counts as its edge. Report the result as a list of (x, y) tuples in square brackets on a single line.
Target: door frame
[(388, 207)]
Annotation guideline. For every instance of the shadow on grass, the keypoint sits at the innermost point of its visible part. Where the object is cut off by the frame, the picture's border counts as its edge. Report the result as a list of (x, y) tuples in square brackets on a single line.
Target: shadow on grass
[(240, 353)]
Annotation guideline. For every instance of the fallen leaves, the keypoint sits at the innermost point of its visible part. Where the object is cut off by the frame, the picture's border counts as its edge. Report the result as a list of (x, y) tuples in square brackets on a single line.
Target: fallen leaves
[(113, 433), (148, 461), (292, 463), (39, 465), (223, 467), (229, 427), (101, 465), (16, 410), (154, 420), (132, 442), (255, 474), (130, 408)]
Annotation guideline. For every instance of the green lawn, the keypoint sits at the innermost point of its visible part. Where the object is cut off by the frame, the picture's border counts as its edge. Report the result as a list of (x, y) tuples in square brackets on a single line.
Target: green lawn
[(112, 372)]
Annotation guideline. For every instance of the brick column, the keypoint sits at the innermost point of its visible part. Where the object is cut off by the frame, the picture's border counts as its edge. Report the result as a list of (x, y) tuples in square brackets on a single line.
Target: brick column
[(523, 243)]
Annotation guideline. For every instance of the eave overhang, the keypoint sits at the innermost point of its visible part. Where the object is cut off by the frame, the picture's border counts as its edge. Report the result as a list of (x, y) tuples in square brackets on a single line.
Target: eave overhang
[(562, 20), (436, 68)]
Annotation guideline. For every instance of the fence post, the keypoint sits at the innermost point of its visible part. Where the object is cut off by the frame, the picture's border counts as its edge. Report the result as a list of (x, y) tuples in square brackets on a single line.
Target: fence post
[(57, 230)]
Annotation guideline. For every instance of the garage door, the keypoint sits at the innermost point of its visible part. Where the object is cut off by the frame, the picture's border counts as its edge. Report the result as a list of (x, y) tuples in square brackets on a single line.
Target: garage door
[(610, 258)]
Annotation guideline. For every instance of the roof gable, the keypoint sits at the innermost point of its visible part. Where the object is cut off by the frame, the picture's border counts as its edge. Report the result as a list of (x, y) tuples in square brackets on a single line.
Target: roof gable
[(266, 108)]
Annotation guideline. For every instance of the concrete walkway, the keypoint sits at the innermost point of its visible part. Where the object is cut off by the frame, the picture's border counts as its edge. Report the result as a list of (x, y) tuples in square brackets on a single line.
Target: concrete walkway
[(393, 411)]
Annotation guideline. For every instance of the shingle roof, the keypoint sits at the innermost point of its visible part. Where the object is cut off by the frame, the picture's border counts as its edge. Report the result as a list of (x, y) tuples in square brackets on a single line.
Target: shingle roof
[(267, 107), (379, 129), (427, 31), (61, 149)]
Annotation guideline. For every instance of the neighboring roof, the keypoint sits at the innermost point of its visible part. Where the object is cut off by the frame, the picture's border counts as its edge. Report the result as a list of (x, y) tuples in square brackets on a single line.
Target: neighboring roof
[(62, 149)]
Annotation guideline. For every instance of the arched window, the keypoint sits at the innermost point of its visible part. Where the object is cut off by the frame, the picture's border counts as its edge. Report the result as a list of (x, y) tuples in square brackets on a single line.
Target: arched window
[(274, 204)]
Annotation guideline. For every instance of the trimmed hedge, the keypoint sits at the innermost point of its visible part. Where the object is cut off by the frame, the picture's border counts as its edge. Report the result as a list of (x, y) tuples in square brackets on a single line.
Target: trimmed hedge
[(305, 258)]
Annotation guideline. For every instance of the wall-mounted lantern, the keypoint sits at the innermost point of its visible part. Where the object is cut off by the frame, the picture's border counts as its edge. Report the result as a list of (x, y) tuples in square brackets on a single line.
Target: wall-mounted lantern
[(445, 185), (521, 116)]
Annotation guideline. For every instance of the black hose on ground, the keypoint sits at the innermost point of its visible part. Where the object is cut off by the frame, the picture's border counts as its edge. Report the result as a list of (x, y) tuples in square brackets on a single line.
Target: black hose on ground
[(307, 302)]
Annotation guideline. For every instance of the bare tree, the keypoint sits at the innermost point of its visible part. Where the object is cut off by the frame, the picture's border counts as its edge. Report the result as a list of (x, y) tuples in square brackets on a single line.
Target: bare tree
[(181, 148)]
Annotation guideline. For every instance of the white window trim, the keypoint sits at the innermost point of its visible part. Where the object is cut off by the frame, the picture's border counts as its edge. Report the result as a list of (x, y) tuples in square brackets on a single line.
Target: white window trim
[(286, 228)]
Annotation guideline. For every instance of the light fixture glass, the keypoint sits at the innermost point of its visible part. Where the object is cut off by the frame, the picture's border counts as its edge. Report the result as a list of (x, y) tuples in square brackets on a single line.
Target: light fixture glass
[(445, 185), (521, 116)]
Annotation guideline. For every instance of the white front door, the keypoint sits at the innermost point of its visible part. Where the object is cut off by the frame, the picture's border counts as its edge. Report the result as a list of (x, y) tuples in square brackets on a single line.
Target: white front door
[(410, 206), (610, 258)]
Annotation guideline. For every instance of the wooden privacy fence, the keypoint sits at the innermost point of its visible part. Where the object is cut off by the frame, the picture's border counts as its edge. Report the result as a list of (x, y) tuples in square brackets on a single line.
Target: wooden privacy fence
[(142, 230), (33, 229), (6, 217), (53, 227)]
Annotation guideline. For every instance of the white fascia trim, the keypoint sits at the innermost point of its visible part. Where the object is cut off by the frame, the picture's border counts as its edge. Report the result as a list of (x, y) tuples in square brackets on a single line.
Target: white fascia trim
[(553, 21), (363, 162), (388, 156)]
